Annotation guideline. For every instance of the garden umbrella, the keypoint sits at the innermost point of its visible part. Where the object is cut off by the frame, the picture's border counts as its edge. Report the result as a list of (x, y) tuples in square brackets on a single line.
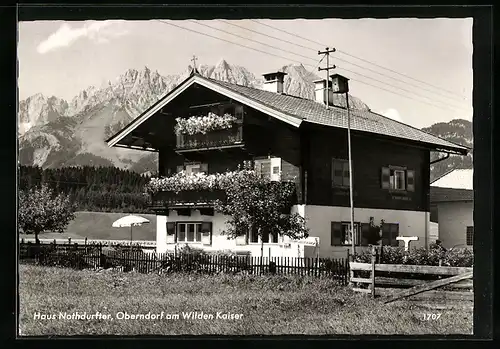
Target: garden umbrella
[(130, 221)]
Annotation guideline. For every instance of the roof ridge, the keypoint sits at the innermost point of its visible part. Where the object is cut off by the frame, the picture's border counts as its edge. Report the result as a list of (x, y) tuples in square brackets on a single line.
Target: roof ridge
[(257, 89), (418, 129)]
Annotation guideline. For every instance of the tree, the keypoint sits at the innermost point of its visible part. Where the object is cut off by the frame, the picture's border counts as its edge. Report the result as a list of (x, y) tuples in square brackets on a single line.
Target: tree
[(254, 201), (40, 209)]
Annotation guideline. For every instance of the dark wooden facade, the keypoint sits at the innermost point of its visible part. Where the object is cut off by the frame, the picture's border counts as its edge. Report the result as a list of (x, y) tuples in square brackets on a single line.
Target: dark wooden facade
[(369, 155), (306, 154)]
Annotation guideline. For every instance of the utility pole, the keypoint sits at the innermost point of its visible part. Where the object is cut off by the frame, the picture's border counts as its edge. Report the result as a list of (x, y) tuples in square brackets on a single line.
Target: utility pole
[(327, 88)]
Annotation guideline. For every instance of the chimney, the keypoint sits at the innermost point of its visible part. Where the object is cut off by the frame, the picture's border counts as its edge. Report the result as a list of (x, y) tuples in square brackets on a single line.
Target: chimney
[(273, 82), (320, 92)]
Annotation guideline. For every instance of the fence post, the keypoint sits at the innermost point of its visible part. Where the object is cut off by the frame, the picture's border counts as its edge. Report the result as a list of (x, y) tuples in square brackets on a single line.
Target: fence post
[(374, 260)]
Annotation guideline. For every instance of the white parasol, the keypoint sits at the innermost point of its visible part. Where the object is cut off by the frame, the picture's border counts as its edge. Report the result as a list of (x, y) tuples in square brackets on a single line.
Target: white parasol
[(130, 221)]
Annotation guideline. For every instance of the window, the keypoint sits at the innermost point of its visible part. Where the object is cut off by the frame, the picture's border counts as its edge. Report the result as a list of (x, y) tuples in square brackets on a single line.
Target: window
[(254, 236), (398, 178), (170, 232), (192, 168), (469, 236), (340, 173), (269, 168), (341, 233), (189, 232), (267, 237), (398, 181), (389, 233)]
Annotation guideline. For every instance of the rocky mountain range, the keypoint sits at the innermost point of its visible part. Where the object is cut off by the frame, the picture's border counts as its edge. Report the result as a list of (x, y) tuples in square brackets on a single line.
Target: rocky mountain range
[(54, 132), (458, 131)]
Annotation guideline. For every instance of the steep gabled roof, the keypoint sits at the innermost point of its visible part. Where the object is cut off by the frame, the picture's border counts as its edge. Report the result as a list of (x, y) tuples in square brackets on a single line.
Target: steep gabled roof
[(295, 110), (456, 179)]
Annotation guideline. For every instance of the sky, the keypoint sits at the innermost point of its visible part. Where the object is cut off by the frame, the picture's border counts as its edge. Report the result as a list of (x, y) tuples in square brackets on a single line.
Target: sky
[(426, 63)]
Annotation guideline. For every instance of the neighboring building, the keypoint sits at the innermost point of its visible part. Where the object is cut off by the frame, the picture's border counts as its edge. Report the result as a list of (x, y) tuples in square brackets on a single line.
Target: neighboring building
[(289, 138), (453, 195)]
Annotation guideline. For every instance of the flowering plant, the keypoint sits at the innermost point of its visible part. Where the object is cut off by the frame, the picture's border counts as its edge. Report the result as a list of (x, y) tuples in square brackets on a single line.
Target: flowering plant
[(183, 181), (203, 124)]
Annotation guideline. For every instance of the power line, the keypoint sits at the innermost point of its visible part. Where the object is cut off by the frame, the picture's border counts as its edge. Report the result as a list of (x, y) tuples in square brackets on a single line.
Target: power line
[(361, 59), (402, 89), (399, 94), (273, 37), (231, 42), (293, 34), (408, 77), (267, 45), (259, 42), (340, 59), (293, 60), (321, 60), (376, 72)]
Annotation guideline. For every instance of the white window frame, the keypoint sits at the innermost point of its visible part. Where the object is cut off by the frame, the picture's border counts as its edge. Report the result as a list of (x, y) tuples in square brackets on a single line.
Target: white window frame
[(197, 228), (275, 164), (393, 179)]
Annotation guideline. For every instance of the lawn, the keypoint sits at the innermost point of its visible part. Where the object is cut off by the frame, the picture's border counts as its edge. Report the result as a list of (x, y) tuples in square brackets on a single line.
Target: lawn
[(97, 225), (268, 305)]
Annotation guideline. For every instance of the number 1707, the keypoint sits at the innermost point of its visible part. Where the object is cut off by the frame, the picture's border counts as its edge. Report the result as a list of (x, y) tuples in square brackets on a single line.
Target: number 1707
[(432, 316)]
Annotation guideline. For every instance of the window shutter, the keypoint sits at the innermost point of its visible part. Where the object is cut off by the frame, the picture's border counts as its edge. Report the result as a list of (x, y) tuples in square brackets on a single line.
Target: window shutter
[(410, 180), (386, 177), (258, 167), (206, 233), (336, 232), (171, 236), (266, 168), (394, 234), (180, 168), (365, 231), (386, 234), (345, 173), (204, 168), (337, 172), (263, 168), (469, 236)]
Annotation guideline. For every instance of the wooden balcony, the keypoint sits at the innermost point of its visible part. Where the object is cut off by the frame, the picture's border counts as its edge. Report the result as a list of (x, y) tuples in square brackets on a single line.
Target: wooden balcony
[(214, 140), (188, 198)]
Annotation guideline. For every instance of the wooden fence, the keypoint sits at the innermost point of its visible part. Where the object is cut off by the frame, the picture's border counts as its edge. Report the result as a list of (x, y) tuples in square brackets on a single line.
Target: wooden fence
[(142, 243), (434, 284), (97, 256)]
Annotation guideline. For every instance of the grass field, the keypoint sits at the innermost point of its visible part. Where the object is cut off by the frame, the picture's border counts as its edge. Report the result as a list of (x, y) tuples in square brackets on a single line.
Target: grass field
[(269, 305), (97, 225)]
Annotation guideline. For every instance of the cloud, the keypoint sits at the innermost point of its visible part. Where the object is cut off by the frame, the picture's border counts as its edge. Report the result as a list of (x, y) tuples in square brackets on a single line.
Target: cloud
[(393, 114), (97, 31)]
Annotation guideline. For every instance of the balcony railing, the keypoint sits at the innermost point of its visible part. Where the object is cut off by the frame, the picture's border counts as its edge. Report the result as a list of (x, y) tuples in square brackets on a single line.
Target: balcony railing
[(212, 139), (187, 197)]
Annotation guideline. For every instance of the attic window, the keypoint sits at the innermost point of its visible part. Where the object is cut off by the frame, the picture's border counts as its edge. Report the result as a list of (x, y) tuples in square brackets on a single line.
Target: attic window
[(398, 179)]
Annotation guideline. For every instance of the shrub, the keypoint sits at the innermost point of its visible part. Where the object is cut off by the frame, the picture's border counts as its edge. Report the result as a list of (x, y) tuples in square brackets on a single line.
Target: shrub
[(420, 256)]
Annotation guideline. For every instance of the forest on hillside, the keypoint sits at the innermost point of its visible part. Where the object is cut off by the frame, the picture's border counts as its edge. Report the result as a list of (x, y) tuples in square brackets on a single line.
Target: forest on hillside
[(101, 189)]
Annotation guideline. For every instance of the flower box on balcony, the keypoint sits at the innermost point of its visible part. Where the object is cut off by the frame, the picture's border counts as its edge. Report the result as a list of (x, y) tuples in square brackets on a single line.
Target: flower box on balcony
[(212, 139), (193, 197)]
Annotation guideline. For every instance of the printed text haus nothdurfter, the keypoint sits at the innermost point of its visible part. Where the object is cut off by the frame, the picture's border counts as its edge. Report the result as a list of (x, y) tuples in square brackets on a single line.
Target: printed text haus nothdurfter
[(289, 138)]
